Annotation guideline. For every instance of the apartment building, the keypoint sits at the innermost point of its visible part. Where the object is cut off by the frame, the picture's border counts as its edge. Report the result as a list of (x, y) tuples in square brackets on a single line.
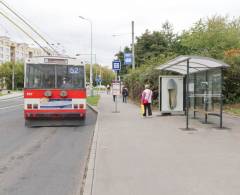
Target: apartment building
[(12, 51), (5, 44)]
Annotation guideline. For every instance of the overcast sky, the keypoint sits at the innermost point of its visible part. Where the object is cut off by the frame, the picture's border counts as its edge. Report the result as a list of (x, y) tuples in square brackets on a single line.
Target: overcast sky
[(58, 20)]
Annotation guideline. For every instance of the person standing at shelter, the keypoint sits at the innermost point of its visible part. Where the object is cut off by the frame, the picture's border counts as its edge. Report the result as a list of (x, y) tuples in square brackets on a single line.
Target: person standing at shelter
[(146, 100), (124, 94)]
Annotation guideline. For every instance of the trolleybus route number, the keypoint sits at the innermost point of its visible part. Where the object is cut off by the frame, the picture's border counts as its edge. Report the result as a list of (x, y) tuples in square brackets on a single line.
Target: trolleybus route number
[(74, 70)]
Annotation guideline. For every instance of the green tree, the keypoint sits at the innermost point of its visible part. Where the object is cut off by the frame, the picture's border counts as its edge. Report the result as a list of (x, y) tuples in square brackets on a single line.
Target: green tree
[(6, 72), (106, 73), (212, 37), (216, 37), (151, 45)]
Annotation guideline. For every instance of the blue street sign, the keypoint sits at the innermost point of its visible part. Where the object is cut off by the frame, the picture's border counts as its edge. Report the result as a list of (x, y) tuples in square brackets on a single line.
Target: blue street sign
[(116, 65), (98, 79), (127, 58)]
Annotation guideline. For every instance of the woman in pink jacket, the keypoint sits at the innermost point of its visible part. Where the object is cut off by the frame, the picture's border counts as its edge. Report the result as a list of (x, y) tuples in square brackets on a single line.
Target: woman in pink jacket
[(146, 100)]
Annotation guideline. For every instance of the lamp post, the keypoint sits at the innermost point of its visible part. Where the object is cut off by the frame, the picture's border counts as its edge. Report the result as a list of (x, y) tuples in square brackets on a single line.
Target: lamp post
[(91, 71), (133, 52)]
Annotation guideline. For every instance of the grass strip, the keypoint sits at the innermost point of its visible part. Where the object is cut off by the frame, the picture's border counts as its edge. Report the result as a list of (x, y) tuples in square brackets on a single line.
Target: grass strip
[(93, 100)]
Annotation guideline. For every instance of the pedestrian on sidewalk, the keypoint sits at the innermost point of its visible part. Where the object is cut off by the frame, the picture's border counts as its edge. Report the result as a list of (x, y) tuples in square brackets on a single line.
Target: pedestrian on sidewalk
[(146, 100), (108, 89), (124, 94)]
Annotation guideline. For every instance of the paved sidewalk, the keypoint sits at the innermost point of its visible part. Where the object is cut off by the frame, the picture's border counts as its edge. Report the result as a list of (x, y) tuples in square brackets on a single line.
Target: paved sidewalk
[(152, 156)]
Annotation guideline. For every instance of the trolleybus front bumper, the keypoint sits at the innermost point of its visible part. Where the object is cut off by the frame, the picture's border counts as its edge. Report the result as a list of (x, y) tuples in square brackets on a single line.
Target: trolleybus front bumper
[(48, 114)]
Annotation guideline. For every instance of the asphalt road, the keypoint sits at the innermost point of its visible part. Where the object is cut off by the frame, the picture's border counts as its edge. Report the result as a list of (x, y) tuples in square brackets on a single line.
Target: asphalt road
[(45, 160)]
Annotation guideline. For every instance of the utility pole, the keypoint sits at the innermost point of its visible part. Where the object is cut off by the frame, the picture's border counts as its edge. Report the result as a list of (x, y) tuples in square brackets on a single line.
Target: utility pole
[(91, 65), (133, 53)]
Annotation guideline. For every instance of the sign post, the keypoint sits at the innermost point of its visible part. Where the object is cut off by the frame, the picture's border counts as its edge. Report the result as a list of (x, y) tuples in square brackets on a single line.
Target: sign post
[(116, 90), (116, 87)]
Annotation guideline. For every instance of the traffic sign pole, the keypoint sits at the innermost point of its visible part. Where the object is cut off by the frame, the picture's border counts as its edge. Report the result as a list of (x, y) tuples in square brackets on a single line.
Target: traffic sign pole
[(116, 66), (116, 95)]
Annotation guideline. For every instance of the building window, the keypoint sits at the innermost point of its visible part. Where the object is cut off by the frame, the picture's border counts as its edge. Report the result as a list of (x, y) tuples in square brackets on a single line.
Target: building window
[(7, 50)]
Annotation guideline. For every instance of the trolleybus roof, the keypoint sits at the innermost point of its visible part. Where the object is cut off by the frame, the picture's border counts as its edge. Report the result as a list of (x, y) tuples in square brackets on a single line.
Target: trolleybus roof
[(60, 60)]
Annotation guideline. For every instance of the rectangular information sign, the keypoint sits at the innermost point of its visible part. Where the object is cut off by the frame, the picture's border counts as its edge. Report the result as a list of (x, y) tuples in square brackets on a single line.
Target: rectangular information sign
[(127, 58), (116, 65), (116, 88)]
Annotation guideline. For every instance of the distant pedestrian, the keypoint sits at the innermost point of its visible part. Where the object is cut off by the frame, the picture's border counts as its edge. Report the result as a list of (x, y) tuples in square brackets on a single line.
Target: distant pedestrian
[(124, 94), (146, 100), (108, 89)]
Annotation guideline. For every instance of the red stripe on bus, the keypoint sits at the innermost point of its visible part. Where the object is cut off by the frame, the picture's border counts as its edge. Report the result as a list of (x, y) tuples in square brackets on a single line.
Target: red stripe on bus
[(39, 93)]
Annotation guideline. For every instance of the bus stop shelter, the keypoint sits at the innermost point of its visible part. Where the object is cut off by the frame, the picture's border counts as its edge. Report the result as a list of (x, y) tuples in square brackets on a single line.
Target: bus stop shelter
[(203, 91)]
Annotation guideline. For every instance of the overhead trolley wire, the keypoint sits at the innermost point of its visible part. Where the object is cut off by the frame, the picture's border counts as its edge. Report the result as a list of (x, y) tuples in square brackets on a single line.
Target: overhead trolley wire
[(33, 29), (19, 27)]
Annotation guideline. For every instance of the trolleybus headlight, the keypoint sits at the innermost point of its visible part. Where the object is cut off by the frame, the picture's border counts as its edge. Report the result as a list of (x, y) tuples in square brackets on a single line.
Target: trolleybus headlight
[(81, 106), (48, 93), (29, 106), (63, 93)]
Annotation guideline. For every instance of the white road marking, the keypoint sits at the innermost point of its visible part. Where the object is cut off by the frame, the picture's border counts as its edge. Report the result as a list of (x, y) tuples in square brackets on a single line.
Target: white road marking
[(13, 106), (9, 99)]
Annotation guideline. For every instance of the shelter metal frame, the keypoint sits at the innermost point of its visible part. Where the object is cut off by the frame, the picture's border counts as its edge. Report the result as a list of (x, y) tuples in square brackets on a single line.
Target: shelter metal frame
[(191, 65)]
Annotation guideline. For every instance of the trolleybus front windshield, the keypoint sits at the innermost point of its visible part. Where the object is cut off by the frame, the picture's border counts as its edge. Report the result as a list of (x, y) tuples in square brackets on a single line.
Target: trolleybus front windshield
[(45, 76)]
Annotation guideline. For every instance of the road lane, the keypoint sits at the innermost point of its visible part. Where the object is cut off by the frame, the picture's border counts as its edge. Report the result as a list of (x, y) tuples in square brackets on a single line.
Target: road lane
[(46, 160), (13, 102)]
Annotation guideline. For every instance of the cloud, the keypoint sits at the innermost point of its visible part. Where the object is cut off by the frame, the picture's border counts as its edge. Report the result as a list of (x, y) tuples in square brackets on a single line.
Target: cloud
[(59, 22)]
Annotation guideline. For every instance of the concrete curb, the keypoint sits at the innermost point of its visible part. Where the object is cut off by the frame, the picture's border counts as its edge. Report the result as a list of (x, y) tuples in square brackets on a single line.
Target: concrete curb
[(88, 177)]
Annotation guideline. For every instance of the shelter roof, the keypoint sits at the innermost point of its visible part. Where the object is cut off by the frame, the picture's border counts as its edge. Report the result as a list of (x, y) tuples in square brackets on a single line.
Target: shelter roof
[(196, 64)]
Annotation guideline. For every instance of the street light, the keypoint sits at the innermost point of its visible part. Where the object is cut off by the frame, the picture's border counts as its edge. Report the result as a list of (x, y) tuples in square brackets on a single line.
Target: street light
[(91, 71), (133, 53)]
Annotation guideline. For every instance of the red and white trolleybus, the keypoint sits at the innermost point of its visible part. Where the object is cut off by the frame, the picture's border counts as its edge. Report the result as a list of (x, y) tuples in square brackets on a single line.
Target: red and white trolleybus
[(54, 88)]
